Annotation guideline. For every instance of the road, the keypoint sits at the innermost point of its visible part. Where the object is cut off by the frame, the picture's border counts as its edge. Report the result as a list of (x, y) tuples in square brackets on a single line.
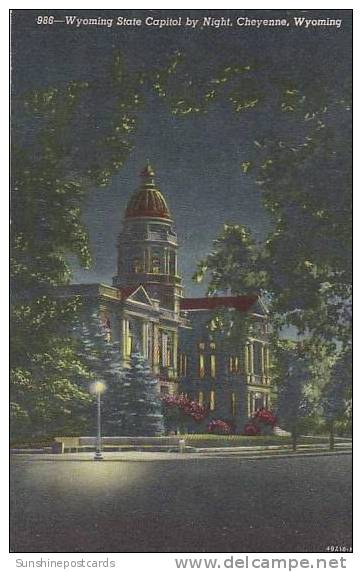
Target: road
[(216, 504)]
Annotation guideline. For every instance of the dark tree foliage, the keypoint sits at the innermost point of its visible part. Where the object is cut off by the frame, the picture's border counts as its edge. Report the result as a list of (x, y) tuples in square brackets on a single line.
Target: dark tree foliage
[(336, 396), (140, 408), (72, 137), (61, 148), (295, 397)]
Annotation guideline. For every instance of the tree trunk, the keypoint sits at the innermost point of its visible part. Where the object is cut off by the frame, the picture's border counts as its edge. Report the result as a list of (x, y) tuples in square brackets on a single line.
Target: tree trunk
[(331, 435), (294, 437)]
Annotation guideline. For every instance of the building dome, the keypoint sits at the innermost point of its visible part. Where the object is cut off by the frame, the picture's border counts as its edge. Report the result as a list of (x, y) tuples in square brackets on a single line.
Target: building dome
[(147, 201)]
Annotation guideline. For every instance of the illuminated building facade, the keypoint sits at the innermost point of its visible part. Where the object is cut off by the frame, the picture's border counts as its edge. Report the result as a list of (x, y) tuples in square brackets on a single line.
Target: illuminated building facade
[(145, 309)]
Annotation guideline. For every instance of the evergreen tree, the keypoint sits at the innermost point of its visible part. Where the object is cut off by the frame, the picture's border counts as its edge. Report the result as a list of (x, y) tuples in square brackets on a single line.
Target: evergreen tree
[(102, 359), (140, 411)]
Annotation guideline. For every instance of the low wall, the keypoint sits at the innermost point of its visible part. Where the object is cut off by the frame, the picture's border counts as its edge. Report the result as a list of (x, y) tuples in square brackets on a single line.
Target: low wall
[(63, 444)]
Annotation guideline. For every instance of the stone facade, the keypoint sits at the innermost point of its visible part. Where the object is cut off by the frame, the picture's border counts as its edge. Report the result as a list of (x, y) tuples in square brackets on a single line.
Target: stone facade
[(145, 309)]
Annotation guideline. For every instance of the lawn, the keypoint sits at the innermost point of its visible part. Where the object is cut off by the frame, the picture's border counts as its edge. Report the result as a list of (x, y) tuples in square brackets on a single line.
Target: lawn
[(197, 440)]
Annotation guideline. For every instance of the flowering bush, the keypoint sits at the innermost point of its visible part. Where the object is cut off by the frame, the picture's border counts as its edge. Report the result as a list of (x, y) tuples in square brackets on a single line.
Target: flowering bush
[(265, 416), (219, 427), (261, 422), (186, 406), (252, 429), (182, 414)]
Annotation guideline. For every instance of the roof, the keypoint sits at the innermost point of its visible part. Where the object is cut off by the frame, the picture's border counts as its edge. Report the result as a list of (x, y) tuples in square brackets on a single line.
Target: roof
[(147, 201), (241, 303)]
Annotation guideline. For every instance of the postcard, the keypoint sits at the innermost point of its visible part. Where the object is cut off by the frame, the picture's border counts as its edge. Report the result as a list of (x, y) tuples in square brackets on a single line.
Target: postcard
[(181, 285)]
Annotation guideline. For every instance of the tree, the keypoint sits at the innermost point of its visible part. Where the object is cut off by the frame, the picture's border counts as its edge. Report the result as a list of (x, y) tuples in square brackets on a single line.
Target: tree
[(306, 187), (102, 359), (48, 392), (294, 399), (234, 263), (61, 150), (304, 264), (140, 410), (337, 395)]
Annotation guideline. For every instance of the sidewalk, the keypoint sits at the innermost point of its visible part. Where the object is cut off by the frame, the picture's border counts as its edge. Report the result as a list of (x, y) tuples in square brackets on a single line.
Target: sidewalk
[(256, 452)]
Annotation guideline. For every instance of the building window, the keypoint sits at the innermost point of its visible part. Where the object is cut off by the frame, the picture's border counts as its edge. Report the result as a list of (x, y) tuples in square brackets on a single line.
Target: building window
[(201, 346), (212, 346), (258, 400), (166, 350), (156, 265), (201, 398), (258, 358), (201, 365), (169, 351), (233, 364), (212, 400), (213, 366), (128, 339), (172, 263), (233, 404), (137, 265), (182, 364)]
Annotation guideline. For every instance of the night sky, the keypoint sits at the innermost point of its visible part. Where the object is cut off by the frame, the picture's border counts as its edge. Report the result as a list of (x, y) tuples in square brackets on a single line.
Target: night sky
[(197, 161)]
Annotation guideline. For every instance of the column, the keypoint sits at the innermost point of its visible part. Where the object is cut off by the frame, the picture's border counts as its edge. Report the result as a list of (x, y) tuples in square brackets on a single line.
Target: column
[(262, 357), (155, 348), (251, 359), (149, 261), (267, 362), (145, 339), (249, 404), (124, 337), (165, 261), (174, 351), (246, 359)]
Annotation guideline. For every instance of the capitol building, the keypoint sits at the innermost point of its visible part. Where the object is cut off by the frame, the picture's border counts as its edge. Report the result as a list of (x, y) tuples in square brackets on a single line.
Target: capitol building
[(145, 308)]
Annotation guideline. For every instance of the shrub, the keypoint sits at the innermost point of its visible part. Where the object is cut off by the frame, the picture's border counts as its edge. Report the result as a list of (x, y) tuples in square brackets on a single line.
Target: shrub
[(260, 423), (180, 412), (251, 429), (220, 427)]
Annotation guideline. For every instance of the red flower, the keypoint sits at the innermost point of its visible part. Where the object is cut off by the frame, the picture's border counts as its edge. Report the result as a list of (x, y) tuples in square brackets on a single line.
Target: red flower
[(188, 407), (264, 416), (251, 429), (220, 427)]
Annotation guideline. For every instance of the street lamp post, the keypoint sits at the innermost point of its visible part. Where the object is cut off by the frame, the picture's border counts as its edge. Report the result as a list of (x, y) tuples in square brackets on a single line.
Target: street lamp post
[(98, 388)]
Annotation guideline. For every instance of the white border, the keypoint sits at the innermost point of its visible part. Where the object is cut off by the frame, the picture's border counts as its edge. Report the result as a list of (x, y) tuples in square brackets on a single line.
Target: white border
[(161, 562)]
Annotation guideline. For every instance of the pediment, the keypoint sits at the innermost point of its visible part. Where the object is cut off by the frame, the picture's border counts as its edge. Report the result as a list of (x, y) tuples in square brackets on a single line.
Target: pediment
[(140, 295)]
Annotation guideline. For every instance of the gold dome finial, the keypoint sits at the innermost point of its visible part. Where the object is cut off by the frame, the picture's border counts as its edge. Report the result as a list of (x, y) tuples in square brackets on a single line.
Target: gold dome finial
[(148, 173)]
